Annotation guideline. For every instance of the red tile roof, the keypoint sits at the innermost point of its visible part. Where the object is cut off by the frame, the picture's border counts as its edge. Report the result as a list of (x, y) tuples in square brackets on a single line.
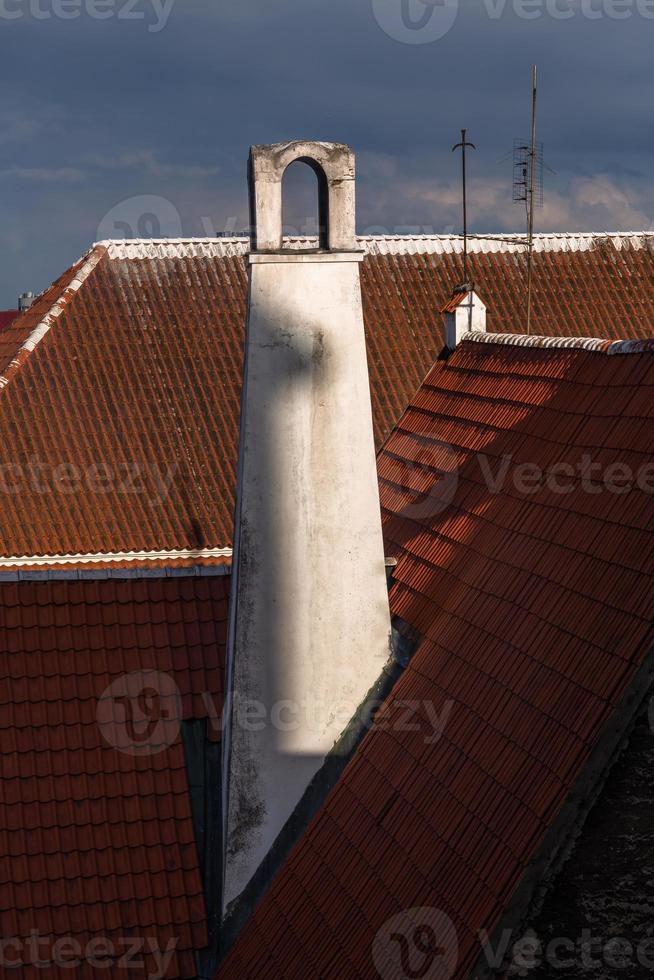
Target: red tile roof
[(535, 612), (455, 300), (133, 359), (96, 835), (7, 317)]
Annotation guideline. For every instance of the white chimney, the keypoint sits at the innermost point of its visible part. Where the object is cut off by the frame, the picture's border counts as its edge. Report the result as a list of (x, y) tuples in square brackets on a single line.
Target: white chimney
[(310, 622), (463, 312)]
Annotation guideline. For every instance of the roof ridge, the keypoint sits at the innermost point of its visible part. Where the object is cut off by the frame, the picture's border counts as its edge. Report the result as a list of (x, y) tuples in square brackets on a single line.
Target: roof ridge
[(491, 236), (92, 257), (580, 343), (388, 244)]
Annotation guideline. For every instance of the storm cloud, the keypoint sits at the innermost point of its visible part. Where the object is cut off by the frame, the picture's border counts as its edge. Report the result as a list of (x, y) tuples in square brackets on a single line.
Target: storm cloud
[(139, 121)]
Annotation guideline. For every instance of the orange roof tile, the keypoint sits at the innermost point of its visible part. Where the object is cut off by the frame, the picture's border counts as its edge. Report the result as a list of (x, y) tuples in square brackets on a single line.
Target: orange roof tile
[(534, 608), (127, 373), (455, 300)]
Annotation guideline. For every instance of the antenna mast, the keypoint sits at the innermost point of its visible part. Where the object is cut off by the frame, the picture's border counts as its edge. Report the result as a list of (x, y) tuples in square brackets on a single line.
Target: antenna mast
[(528, 185), (462, 146), (532, 184)]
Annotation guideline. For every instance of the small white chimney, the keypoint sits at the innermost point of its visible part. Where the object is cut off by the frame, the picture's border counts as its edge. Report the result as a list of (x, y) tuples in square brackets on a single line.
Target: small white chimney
[(464, 312), (309, 620), (25, 300)]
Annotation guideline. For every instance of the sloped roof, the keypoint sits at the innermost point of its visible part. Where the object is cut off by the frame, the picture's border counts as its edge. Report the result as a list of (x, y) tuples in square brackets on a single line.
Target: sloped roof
[(456, 299), (133, 360), (534, 612), (96, 835), (7, 317)]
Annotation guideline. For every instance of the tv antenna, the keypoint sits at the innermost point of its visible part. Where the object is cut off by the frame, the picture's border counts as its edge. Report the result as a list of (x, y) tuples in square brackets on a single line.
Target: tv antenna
[(462, 146), (528, 183)]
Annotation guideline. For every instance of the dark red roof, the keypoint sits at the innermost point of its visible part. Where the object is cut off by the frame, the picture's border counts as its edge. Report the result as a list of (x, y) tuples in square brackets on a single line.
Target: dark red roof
[(133, 358), (96, 835), (535, 612), (7, 317)]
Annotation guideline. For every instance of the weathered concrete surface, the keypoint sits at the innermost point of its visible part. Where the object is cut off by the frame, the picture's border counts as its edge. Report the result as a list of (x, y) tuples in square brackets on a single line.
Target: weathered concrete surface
[(335, 168), (310, 618)]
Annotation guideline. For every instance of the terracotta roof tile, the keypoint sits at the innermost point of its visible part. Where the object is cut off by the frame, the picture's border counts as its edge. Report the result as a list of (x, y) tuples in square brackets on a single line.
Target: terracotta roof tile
[(535, 613), (133, 359), (7, 317), (96, 842)]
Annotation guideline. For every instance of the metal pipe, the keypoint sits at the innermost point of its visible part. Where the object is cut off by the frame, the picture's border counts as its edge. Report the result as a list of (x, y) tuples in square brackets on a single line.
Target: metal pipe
[(532, 181), (462, 146)]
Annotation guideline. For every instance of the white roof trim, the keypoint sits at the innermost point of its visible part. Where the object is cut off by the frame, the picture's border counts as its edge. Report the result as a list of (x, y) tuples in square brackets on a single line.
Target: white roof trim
[(149, 248), (581, 343), (42, 328), (113, 557)]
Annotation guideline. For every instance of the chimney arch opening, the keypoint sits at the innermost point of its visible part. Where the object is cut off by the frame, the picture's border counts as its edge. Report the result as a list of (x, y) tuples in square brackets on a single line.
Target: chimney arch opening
[(304, 213)]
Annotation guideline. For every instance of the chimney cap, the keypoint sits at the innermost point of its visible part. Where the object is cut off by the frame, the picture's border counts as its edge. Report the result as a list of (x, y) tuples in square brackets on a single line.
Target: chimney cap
[(334, 166), (458, 296)]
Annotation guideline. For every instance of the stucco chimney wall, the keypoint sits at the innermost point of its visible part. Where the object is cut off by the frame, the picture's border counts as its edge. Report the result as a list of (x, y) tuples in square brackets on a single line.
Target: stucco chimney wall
[(310, 623)]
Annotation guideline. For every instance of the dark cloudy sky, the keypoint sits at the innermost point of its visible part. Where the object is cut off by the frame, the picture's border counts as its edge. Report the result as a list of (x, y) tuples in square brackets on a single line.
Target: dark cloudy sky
[(141, 121)]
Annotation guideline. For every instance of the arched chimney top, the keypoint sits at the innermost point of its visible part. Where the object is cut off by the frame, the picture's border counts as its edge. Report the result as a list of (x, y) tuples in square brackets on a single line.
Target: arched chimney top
[(334, 165), (336, 159)]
